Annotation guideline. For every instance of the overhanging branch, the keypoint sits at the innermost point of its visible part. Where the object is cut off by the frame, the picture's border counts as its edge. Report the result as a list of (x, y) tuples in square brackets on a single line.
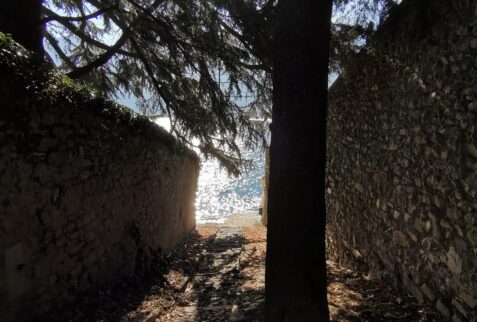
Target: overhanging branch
[(72, 28), (155, 82), (93, 15), (52, 41), (102, 59)]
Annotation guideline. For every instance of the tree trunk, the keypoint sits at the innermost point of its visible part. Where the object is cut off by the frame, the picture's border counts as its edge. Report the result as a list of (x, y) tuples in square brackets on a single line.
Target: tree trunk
[(21, 19), (296, 257)]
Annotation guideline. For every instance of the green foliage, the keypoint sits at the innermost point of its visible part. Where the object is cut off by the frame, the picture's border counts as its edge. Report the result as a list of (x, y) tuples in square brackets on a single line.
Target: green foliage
[(38, 83), (190, 60), (5, 39)]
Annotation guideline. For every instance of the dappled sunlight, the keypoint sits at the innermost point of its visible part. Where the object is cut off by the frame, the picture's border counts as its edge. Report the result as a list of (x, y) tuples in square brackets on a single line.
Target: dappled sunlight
[(162, 213), (355, 297), (218, 274)]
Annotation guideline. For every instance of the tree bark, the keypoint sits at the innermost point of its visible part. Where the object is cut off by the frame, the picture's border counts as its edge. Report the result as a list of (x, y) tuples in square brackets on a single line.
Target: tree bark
[(22, 19), (296, 256)]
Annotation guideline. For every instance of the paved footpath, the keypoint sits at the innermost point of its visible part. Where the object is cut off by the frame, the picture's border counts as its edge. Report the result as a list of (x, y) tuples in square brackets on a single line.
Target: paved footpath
[(218, 274), (216, 292)]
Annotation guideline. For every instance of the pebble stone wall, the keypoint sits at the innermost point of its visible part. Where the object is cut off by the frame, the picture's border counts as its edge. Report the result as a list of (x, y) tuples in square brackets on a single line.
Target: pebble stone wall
[(402, 156), (88, 191)]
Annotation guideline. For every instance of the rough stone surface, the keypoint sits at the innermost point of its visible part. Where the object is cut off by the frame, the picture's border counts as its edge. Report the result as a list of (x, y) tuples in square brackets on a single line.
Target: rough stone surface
[(88, 191), (402, 170), (218, 274)]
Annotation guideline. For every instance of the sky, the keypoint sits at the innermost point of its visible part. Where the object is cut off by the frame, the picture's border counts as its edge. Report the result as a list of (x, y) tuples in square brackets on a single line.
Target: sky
[(131, 101)]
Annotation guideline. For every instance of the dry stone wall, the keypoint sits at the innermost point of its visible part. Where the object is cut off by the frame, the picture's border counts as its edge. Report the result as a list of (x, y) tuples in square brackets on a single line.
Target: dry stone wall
[(402, 156), (88, 191)]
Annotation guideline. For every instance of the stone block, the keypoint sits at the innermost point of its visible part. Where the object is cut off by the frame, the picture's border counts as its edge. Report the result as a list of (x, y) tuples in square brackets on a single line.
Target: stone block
[(454, 261), (442, 308), (15, 268)]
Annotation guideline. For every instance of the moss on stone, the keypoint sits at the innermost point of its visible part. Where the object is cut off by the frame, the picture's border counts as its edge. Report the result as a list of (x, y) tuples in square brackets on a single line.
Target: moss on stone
[(40, 83)]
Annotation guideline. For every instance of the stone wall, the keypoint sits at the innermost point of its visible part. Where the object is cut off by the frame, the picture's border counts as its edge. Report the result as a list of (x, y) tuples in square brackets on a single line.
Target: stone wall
[(88, 191), (402, 156)]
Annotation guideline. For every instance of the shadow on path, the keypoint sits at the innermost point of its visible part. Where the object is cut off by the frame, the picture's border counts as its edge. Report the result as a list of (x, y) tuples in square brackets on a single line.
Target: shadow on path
[(218, 274), (216, 292), (353, 297)]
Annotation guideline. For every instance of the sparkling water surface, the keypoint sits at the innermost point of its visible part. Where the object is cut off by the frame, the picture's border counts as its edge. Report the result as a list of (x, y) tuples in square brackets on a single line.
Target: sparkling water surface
[(219, 194)]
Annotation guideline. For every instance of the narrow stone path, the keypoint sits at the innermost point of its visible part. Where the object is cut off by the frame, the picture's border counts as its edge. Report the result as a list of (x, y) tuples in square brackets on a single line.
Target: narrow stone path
[(215, 292), (218, 274)]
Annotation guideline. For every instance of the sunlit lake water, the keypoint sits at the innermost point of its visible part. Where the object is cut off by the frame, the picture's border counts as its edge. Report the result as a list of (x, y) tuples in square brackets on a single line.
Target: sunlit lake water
[(220, 195)]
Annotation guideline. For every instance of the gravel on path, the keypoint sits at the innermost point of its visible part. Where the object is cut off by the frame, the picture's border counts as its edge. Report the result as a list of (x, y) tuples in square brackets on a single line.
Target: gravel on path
[(218, 274)]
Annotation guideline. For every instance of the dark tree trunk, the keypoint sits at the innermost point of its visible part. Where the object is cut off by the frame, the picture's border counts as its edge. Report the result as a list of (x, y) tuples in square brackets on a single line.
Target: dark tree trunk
[(21, 18), (296, 256)]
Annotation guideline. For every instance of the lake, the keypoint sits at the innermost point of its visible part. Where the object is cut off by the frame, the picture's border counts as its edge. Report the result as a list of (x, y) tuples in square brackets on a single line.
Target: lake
[(220, 195)]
